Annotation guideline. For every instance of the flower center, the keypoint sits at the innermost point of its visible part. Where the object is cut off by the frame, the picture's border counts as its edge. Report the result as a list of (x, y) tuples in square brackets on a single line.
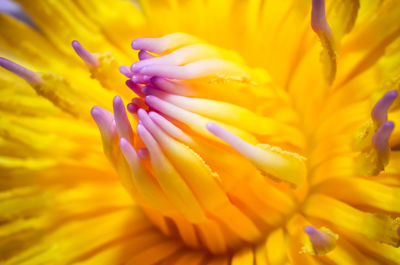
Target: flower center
[(214, 156)]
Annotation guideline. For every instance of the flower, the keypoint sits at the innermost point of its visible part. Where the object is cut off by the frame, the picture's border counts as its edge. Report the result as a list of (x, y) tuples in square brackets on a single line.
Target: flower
[(257, 132)]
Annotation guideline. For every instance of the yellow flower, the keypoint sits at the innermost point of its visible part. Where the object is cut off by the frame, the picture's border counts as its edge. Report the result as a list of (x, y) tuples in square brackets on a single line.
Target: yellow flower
[(257, 132)]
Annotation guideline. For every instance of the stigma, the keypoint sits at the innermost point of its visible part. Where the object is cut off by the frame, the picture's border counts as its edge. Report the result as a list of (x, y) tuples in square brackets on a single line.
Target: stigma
[(321, 241), (372, 139)]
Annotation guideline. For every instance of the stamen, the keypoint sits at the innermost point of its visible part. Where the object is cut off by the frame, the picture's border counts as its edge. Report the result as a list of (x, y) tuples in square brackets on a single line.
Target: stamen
[(171, 87), (194, 121), (29, 76), (88, 57), (121, 119), (169, 128), (318, 18), (274, 162), (135, 88), (381, 138), (132, 108), (139, 102), (160, 45), (143, 55), (181, 56), (322, 241), (126, 71), (106, 124), (148, 123), (143, 153), (144, 181), (380, 110), (198, 69), (104, 120), (140, 78), (170, 180)]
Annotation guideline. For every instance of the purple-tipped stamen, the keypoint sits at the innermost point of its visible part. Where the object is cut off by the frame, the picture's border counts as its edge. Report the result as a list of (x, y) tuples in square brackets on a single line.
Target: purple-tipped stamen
[(168, 127), (310, 230), (104, 120), (143, 153), (237, 143), (126, 71), (380, 110), (29, 76), (317, 237), (132, 108), (318, 18), (121, 119), (88, 57), (141, 78), (143, 55), (172, 87), (135, 88), (381, 138), (160, 45), (201, 68), (149, 124)]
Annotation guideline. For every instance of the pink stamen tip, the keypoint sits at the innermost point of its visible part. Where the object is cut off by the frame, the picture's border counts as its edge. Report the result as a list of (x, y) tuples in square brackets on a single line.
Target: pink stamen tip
[(121, 119), (142, 115), (132, 108), (380, 110), (167, 71), (170, 86), (140, 102), (124, 144), (147, 44), (144, 55), (318, 18), (129, 152), (140, 79), (104, 120), (135, 88), (310, 230), (126, 71), (146, 90), (231, 139), (143, 153), (381, 138), (29, 76), (168, 127), (88, 57), (398, 230)]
